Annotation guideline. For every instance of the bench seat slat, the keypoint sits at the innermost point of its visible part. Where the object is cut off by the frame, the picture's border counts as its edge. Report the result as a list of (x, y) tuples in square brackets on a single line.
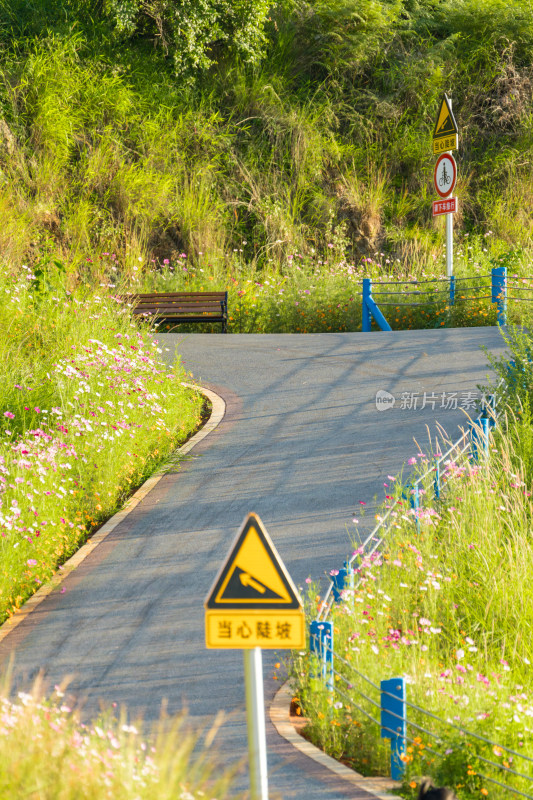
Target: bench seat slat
[(179, 310), (178, 314), (189, 318), (174, 294), (176, 307), (180, 304), (192, 296)]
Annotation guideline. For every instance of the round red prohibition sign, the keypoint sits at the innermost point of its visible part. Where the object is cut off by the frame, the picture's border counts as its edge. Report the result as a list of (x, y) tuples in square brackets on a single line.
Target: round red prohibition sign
[(445, 176)]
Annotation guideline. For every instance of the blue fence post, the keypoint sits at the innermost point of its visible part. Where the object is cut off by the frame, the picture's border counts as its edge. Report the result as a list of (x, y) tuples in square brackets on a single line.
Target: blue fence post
[(367, 295), (485, 427), (415, 503), (479, 437), (488, 409), (393, 723), (344, 579), (473, 442), (321, 643), (452, 290), (499, 292), (492, 406), (512, 369), (412, 493), (436, 480)]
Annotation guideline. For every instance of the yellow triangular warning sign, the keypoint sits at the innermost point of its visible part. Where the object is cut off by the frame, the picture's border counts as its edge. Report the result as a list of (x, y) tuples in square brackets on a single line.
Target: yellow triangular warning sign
[(446, 123), (253, 575)]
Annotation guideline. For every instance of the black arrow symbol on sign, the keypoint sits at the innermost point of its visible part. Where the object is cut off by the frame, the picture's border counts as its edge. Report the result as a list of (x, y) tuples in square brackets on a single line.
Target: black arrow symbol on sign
[(247, 580)]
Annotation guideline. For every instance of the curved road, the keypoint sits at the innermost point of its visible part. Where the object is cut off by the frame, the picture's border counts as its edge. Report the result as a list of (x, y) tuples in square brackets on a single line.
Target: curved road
[(301, 444)]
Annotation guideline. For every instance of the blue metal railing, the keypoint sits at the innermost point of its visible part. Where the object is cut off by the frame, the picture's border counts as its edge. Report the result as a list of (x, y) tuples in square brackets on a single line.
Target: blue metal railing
[(394, 721), (371, 310), (371, 307), (475, 439)]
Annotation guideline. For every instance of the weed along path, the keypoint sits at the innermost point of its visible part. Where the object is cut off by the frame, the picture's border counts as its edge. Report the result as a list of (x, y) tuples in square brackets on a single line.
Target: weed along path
[(302, 443)]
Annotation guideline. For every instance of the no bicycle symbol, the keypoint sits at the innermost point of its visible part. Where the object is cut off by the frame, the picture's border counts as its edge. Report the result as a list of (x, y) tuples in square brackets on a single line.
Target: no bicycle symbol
[(445, 176)]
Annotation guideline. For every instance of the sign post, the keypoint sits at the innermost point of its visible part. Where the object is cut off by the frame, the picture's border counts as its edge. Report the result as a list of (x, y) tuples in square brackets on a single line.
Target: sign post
[(254, 604), (445, 178), (449, 245), (255, 721), (446, 139)]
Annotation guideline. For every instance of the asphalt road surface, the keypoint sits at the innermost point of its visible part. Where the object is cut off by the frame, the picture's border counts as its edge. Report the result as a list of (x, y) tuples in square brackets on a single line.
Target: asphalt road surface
[(302, 443)]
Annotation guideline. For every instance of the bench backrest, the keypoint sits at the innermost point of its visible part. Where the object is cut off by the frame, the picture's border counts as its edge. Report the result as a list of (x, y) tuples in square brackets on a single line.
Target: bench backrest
[(175, 297), (179, 301)]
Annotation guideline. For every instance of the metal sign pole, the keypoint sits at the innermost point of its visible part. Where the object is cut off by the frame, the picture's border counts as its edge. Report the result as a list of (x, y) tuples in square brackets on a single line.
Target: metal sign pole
[(449, 235), (255, 716), (254, 604), (449, 245)]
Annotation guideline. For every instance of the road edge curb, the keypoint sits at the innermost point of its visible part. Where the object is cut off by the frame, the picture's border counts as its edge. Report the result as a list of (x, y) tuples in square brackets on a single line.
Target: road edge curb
[(280, 718), (218, 410)]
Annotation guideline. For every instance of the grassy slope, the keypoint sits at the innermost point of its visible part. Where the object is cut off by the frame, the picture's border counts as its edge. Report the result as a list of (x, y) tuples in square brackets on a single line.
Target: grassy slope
[(329, 140), (88, 410)]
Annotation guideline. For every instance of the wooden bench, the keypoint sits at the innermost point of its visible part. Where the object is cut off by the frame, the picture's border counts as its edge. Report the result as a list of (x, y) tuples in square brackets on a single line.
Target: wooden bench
[(175, 307)]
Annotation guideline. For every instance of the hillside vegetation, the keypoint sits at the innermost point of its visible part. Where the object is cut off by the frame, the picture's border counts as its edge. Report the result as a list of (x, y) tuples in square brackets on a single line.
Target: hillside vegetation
[(279, 150), (230, 131)]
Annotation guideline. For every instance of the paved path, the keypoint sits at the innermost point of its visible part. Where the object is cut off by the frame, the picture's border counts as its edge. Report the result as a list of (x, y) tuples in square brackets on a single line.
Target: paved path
[(302, 442)]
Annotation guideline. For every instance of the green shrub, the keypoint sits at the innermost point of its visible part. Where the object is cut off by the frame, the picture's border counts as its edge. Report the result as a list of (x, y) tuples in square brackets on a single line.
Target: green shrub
[(194, 32)]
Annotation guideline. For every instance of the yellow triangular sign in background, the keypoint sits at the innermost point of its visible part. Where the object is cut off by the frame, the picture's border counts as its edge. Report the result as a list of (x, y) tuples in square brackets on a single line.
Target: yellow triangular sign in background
[(253, 575), (446, 123)]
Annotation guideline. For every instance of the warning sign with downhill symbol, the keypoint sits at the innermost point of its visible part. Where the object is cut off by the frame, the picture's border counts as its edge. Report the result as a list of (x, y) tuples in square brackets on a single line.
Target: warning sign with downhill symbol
[(446, 133), (253, 601), (253, 575)]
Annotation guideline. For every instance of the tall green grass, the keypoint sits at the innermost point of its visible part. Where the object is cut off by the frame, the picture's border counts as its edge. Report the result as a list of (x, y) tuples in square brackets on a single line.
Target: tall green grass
[(49, 754), (102, 150)]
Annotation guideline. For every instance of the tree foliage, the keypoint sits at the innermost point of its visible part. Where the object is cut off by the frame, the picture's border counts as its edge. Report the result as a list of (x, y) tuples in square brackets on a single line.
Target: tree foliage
[(194, 33)]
